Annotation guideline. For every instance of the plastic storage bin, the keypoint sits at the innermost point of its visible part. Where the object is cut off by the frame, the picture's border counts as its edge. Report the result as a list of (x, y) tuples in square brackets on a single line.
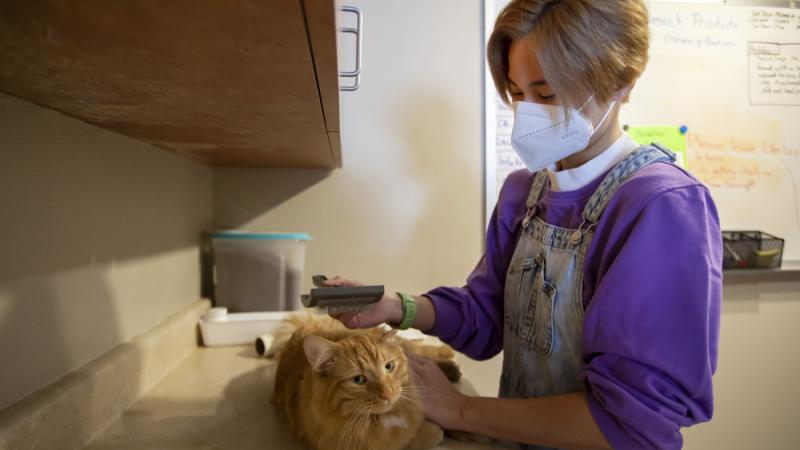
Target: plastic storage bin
[(751, 250), (258, 271)]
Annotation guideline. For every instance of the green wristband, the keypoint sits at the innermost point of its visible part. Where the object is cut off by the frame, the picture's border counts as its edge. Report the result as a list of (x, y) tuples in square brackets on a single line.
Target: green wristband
[(409, 311)]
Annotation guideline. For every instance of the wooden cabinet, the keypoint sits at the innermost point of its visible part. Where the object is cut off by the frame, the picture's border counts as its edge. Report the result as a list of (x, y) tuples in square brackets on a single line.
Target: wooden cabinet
[(232, 83)]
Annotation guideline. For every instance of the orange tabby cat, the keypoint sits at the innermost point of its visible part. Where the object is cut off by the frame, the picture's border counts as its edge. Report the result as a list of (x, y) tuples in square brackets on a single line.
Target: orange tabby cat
[(346, 389)]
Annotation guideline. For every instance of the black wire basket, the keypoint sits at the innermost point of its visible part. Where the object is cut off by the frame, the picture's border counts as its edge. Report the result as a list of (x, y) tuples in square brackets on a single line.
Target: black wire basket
[(751, 250)]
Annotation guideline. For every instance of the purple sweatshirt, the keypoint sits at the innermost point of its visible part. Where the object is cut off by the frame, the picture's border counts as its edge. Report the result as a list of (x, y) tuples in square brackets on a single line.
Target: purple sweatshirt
[(652, 293)]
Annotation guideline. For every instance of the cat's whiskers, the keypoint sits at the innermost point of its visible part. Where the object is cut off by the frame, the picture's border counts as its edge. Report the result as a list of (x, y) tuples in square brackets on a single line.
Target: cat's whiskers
[(425, 391), (348, 425), (355, 423), (410, 394), (345, 433), (345, 436), (408, 389), (422, 389), (411, 400), (362, 423)]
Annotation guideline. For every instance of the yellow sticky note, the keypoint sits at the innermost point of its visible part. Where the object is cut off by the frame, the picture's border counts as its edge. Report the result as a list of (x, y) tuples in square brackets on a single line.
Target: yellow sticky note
[(672, 137)]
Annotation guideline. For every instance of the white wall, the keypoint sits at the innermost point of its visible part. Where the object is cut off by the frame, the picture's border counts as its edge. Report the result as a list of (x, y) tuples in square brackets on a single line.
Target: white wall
[(99, 236)]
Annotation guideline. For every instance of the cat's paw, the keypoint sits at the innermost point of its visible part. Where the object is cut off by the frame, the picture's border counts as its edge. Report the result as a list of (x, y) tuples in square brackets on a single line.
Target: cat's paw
[(429, 351), (428, 435), (444, 352)]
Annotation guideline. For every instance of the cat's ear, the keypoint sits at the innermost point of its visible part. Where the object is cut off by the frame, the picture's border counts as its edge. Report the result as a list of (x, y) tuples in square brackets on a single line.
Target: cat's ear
[(319, 351), (390, 337)]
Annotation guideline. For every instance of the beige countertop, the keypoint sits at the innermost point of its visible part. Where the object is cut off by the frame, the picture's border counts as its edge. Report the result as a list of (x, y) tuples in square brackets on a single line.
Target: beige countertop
[(216, 398)]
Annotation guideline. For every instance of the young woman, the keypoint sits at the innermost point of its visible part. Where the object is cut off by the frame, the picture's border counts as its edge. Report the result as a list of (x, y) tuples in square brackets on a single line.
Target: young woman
[(601, 280)]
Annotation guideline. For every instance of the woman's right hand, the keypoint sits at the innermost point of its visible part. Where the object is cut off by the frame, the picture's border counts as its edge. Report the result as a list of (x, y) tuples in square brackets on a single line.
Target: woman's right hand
[(388, 309)]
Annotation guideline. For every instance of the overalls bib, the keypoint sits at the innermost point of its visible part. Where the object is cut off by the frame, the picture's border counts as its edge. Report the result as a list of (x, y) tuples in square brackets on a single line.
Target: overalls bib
[(543, 303)]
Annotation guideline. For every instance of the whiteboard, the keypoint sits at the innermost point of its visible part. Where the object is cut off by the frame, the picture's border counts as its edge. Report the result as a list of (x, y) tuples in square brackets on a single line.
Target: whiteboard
[(731, 74)]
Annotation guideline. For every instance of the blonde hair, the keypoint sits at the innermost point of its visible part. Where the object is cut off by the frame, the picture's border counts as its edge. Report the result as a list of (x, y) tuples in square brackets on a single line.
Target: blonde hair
[(584, 46)]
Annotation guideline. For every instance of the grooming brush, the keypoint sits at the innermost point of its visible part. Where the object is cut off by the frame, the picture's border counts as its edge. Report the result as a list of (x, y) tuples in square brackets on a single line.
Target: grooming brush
[(339, 300)]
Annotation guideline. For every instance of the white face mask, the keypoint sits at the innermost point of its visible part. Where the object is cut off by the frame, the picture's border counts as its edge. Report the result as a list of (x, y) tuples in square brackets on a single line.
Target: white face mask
[(545, 134)]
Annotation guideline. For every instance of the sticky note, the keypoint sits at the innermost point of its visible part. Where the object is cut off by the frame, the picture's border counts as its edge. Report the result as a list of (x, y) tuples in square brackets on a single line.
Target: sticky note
[(672, 137)]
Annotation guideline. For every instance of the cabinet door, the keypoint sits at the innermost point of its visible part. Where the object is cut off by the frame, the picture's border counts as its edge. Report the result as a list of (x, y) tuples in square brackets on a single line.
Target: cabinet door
[(321, 19), (222, 82)]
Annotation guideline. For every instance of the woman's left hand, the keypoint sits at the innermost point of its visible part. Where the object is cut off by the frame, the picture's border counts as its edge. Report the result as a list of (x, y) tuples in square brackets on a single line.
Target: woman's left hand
[(442, 403)]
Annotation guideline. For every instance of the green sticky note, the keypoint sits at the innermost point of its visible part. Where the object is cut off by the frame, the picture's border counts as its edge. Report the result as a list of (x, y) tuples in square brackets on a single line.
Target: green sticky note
[(672, 137)]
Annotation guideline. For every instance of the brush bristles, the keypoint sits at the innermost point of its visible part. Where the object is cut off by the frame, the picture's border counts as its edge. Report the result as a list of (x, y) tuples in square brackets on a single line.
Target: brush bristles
[(338, 309)]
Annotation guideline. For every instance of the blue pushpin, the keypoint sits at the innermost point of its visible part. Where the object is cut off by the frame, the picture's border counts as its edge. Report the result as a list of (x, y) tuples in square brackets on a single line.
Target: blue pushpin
[(684, 129)]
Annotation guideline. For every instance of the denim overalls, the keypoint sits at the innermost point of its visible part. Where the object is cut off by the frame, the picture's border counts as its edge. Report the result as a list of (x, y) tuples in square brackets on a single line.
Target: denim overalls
[(543, 302)]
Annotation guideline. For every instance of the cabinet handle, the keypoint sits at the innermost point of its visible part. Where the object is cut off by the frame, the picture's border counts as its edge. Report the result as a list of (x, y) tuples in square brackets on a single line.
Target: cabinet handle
[(358, 32)]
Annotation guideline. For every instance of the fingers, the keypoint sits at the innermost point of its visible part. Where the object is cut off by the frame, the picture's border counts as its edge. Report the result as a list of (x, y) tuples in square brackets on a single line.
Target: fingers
[(413, 365), (421, 365), (355, 319), (338, 281), (419, 360), (345, 316), (415, 371), (349, 319), (413, 357), (332, 282)]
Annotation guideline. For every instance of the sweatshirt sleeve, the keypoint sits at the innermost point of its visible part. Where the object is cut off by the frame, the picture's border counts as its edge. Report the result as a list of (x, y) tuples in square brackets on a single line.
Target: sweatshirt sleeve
[(470, 318), (651, 328)]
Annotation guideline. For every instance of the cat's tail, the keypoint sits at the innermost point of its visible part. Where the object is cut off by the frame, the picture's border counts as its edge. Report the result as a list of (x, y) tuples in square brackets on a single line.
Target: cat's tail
[(286, 329)]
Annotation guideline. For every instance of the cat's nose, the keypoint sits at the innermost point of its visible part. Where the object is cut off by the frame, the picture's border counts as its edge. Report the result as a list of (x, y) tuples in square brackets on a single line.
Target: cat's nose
[(385, 395)]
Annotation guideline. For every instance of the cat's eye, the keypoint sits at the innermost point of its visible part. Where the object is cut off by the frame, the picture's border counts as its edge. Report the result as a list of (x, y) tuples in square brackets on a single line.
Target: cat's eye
[(389, 366), (359, 379)]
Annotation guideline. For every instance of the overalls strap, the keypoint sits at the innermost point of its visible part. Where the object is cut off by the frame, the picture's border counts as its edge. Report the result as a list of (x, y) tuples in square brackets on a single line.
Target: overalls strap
[(539, 180), (639, 158)]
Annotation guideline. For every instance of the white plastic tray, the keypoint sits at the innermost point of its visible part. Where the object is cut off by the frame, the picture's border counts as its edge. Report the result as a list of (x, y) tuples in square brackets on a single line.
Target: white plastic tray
[(219, 327)]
